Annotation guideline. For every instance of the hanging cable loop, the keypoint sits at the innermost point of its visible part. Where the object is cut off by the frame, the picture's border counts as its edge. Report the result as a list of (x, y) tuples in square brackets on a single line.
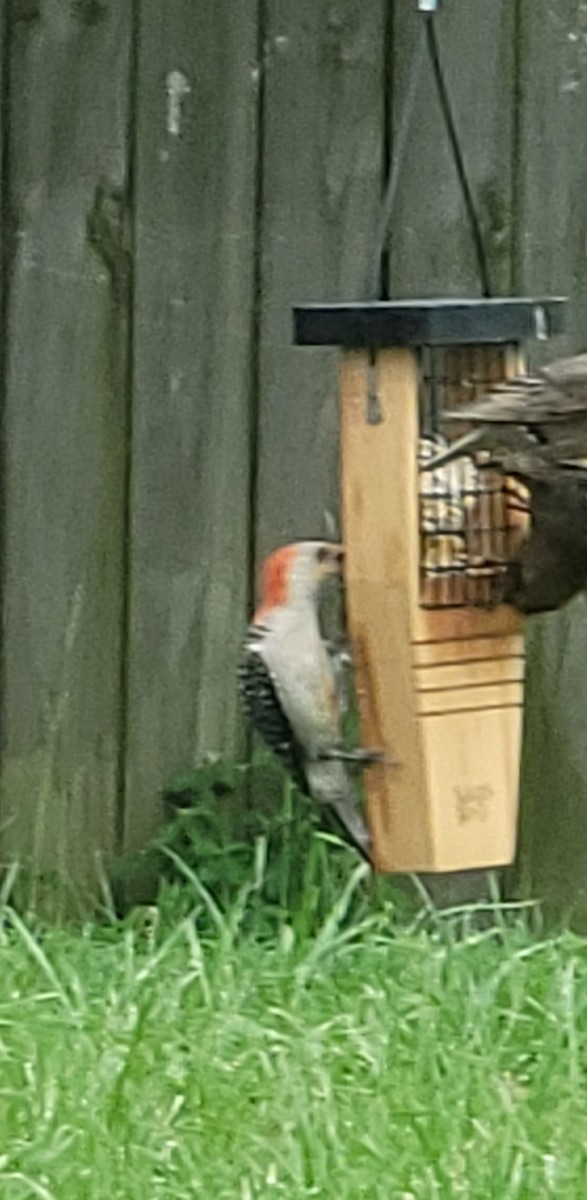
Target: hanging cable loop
[(374, 281), (466, 191), (426, 41)]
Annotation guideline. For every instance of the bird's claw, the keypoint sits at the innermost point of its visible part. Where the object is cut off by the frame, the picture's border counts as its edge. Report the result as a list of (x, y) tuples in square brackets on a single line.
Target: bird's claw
[(365, 758)]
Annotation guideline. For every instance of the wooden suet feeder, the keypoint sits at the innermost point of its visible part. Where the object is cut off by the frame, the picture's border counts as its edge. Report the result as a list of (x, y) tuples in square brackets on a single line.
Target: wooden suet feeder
[(439, 671)]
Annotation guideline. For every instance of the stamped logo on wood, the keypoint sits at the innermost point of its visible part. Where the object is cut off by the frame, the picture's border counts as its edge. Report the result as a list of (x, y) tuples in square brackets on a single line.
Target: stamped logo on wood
[(473, 803)]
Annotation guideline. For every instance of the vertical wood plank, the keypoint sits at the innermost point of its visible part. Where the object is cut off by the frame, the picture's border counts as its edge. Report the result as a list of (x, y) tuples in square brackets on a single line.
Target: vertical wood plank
[(551, 168), (64, 428), (379, 501), (551, 256), (430, 247), (324, 117), (196, 191)]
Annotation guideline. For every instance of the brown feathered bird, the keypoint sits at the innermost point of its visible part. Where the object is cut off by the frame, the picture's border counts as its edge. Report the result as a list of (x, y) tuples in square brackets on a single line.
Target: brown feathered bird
[(542, 416), (551, 565)]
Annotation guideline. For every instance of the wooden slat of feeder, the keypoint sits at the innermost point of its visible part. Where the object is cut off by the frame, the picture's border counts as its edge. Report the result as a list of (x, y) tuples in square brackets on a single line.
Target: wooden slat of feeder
[(381, 584), (467, 650), (451, 802), (438, 625), (505, 694), (438, 677)]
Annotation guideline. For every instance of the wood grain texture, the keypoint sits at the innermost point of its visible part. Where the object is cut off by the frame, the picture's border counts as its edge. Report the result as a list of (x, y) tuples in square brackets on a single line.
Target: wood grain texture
[(466, 624), (550, 164), (474, 759), (439, 677), (507, 694), (431, 251), (379, 502), (453, 731), (551, 254), (322, 165), (470, 650), (65, 429), (195, 179)]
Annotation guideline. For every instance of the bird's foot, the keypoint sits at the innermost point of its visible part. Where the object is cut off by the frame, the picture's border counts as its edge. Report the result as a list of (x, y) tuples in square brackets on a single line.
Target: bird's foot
[(366, 758), (339, 648)]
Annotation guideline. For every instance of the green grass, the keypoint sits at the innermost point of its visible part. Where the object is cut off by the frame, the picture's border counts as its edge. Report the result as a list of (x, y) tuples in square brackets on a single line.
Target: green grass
[(179, 1056)]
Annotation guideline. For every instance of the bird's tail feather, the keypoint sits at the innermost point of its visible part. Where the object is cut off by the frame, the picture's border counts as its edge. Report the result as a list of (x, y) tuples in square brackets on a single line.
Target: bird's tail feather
[(329, 784)]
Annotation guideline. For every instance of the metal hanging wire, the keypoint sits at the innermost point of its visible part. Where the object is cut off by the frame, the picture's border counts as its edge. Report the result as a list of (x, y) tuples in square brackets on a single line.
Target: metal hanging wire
[(427, 41)]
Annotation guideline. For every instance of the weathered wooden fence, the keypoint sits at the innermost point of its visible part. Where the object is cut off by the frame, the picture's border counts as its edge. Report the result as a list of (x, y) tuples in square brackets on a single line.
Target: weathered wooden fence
[(175, 173)]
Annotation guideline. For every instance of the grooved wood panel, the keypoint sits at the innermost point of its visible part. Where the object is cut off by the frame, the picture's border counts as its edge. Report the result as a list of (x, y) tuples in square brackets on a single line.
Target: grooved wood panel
[(471, 650), (440, 677)]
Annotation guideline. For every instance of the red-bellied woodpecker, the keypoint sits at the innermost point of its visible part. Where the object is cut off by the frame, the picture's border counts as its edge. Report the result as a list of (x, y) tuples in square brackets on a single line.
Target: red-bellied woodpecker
[(542, 415), (289, 684)]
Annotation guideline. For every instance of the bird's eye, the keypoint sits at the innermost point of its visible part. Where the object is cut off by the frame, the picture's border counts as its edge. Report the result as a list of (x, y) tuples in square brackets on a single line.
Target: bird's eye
[(323, 554)]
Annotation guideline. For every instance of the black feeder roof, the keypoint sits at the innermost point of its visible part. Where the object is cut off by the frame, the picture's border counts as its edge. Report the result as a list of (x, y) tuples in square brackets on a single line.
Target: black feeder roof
[(428, 322)]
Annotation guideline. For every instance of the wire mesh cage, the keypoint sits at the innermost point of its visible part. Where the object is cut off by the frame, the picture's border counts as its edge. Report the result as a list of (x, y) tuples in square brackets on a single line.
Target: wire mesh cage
[(470, 518)]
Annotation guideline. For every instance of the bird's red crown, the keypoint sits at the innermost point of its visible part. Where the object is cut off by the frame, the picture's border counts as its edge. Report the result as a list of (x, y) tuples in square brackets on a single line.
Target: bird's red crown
[(275, 579)]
